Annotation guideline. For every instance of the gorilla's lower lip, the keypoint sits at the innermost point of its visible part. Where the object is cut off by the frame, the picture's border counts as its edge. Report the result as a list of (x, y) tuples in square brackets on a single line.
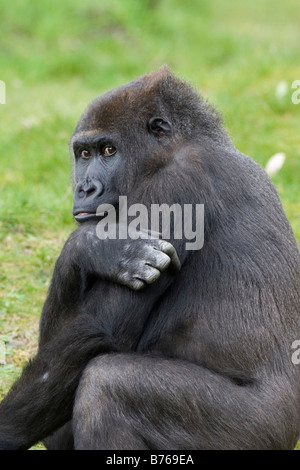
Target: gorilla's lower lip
[(80, 216)]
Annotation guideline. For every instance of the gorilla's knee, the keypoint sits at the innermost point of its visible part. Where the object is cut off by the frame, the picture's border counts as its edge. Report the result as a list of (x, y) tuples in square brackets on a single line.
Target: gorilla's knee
[(98, 405)]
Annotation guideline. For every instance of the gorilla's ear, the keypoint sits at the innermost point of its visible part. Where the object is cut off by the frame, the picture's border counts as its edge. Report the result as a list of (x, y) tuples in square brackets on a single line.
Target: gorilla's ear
[(159, 126)]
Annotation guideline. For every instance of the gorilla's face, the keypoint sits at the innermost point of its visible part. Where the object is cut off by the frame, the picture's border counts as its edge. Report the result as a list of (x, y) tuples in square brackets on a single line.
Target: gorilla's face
[(118, 140), (97, 160)]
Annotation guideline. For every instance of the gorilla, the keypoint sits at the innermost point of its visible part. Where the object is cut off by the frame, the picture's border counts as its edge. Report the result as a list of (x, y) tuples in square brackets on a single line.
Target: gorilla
[(145, 344)]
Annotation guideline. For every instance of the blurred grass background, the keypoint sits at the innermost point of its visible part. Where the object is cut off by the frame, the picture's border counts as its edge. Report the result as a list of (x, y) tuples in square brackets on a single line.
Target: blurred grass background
[(56, 56)]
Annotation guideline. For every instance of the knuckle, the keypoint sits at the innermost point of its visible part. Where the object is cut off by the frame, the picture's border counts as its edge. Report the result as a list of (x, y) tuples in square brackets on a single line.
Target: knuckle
[(152, 276), (163, 260), (138, 285), (166, 246), (125, 276)]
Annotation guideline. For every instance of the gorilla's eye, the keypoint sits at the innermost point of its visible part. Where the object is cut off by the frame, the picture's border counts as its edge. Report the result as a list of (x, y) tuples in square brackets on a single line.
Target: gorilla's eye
[(109, 150), (85, 154)]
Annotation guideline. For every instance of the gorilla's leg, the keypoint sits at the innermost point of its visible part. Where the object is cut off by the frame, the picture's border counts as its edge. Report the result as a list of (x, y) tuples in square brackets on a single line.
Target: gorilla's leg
[(62, 439), (133, 401)]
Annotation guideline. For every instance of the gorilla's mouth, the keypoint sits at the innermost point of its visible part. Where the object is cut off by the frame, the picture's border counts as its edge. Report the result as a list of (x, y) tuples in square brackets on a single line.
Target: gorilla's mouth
[(83, 216)]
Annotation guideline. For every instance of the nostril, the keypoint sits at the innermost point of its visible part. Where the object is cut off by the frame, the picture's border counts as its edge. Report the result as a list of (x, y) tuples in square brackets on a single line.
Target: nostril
[(79, 192), (90, 190)]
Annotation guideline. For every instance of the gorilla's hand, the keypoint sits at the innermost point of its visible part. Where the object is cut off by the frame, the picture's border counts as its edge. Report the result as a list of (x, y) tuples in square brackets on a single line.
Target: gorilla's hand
[(142, 262), (131, 262)]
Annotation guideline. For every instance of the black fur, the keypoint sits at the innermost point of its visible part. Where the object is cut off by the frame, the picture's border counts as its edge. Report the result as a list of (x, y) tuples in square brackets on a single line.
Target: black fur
[(199, 359)]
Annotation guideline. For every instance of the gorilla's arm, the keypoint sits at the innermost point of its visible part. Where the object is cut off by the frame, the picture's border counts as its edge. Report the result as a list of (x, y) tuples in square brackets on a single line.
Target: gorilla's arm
[(133, 263), (82, 327), (41, 400)]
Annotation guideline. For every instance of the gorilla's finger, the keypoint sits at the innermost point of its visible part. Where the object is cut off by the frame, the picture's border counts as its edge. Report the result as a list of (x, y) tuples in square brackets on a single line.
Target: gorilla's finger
[(151, 274), (158, 260), (136, 284), (169, 249)]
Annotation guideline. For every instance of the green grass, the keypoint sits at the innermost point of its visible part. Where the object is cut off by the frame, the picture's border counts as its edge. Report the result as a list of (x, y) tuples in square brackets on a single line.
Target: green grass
[(56, 56)]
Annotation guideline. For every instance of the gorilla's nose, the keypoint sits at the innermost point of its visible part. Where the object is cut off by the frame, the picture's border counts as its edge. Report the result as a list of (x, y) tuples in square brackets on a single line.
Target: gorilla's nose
[(89, 188)]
